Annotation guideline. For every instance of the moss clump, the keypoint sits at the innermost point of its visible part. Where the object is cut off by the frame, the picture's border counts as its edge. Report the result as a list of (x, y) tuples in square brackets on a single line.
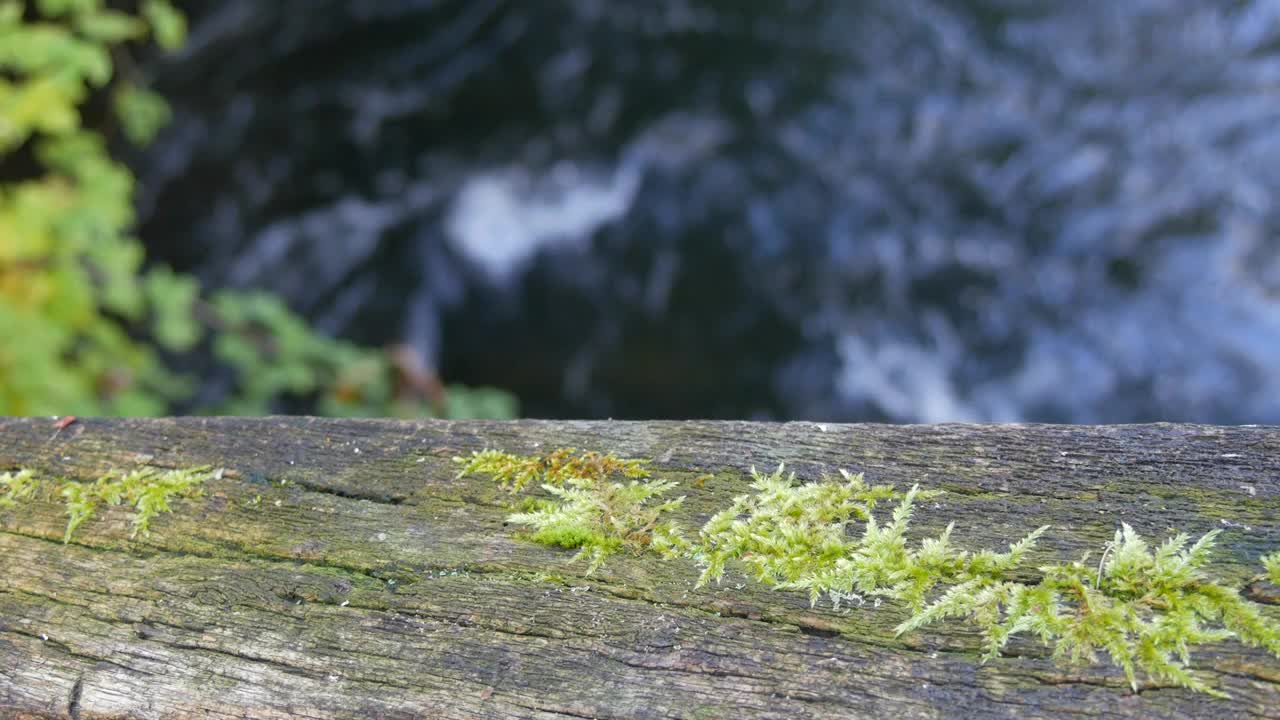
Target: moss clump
[(148, 490), (17, 487), (1272, 565), (588, 510), (555, 468), (797, 536), (1143, 607), (601, 518)]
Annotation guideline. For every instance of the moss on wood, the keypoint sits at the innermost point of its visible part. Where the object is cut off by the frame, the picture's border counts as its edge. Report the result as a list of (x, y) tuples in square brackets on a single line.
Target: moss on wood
[(236, 607), (1144, 608)]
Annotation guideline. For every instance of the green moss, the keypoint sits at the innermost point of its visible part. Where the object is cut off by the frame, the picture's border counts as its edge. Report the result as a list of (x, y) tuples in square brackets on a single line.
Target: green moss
[(1272, 564), (796, 535), (555, 468), (588, 511), (148, 490), (1144, 607), (601, 518), (17, 487), (569, 534)]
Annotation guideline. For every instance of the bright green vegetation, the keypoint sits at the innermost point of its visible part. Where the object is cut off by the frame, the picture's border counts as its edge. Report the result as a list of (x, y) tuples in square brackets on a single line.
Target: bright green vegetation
[(1144, 607), (797, 536), (18, 486), (148, 490), (590, 512), (69, 271), (1272, 564), (99, 329), (555, 468), (276, 355), (601, 518)]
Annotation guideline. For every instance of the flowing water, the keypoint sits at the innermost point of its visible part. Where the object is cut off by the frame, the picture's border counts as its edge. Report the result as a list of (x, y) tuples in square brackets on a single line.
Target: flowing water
[(906, 210)]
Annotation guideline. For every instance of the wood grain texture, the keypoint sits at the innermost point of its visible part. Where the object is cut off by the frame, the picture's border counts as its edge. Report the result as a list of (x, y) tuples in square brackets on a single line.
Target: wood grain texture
[(373, 583)]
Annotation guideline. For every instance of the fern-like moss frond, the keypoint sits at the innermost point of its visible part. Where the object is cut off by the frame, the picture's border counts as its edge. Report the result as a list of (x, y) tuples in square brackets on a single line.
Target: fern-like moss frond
[(1272, 565), (17, 487), (601, 519), (1144, 607), (148, 490)]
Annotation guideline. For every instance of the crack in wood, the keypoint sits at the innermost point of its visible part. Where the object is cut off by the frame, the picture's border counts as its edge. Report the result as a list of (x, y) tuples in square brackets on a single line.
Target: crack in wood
[(73, 701)]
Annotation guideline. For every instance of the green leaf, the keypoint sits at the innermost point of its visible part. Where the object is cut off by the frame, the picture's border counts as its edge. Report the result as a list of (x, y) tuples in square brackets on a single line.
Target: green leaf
[(142, 112), (171, 299), (10, 13), (478, 403), (110, 26), (59, 8), (167, 24)]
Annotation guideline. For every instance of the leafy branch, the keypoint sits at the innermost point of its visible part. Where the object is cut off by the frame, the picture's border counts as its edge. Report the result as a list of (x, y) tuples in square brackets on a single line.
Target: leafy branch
[(101, 329)]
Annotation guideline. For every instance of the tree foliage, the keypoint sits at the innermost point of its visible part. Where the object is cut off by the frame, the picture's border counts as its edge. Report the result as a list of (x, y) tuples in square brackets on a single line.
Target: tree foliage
[(88, 327)]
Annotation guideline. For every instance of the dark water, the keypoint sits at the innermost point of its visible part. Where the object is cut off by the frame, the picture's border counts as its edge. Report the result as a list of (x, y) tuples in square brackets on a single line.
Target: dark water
[(909, 210)]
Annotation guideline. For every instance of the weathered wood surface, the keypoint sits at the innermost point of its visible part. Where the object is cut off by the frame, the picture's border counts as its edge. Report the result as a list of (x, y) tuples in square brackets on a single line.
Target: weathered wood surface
[(375, 584)]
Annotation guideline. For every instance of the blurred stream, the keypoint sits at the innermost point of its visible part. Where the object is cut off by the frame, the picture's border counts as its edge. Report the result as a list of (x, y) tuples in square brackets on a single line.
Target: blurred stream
[(901, 210)]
